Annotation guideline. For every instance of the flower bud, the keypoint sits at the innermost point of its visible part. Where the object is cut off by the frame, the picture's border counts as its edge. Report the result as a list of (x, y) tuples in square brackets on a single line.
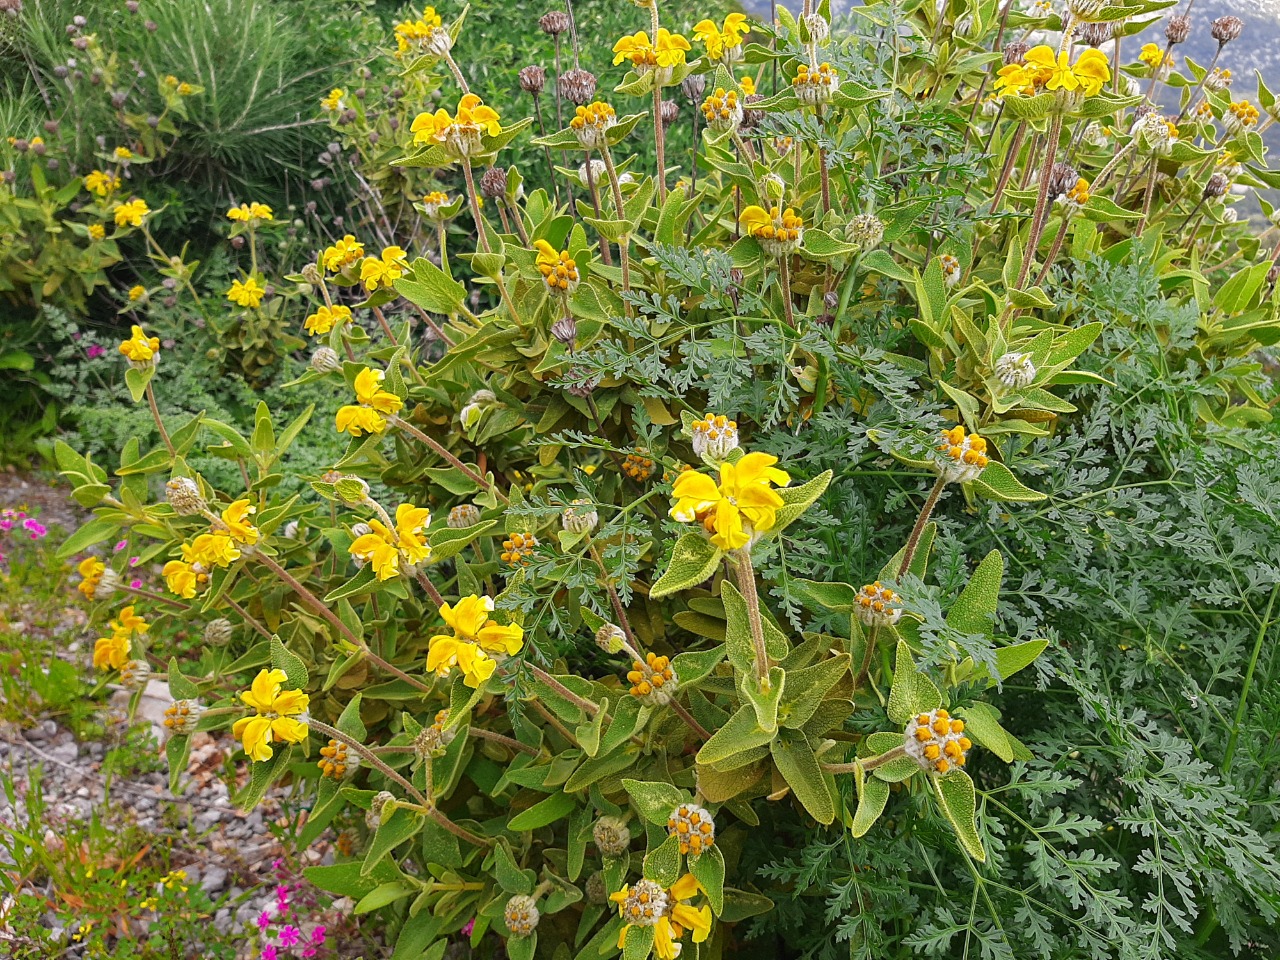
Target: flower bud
[(184, 496), (580, 517), (962, 457), (108, 585), (752, 118), (378, 810), (181, 716), (694, 827), (670, 110), (596, 891), (1095, 33), (463, 515), (653, 680), (878, 606), (815, 85), (434, 740), (217, 633), (1216, 186), (611, 836), (1015, 370), (714, 437), (135, 674), (818, 26), (521, 914), (936, 741), (610, 638), (950, 269), (325, 360), (866, 230)]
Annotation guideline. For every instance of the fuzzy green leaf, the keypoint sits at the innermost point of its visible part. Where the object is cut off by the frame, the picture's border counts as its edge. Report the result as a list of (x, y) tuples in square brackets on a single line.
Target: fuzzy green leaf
[(804, 775), (871, 801), (654, 801), (693, 560), (956, 797)]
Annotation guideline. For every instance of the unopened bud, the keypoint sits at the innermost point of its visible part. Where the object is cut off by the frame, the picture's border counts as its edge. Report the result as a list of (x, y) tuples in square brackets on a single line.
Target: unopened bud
[(217, 633), (694, 86), (611, 836), (184, 496), (521, 915), (1216, 186), (325, 360), (610, 638), (463, 515), (565, 330)]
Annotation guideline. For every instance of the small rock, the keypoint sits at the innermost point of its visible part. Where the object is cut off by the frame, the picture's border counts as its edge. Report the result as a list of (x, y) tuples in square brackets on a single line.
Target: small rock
[(213, 880)]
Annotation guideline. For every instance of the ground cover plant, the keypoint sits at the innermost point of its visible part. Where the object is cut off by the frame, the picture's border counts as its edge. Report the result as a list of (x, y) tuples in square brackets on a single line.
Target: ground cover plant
[(851, 537)]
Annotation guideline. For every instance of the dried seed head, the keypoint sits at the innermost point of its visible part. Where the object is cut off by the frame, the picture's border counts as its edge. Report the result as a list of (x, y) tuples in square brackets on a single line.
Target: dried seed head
[(866, 230), (670, 110), (1177, 29), (217, 633), (1225, 29), (181, 716), (878, 606), (1015, 53), (184, 496), (1216, 186), (493, 183), (694, 86), (962, 457), (325, 360), (583, 389), (1015, 370), (752, 118), (1095, 33), (521, 914), (693, 826), (1062, 178), (577, 85), (610, 638), (936, 741), (554, 23), (611, 836), (532, 79), (580, 517)]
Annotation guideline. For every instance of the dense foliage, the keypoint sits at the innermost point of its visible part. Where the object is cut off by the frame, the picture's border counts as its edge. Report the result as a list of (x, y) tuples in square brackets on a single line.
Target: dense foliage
[(853, 539)]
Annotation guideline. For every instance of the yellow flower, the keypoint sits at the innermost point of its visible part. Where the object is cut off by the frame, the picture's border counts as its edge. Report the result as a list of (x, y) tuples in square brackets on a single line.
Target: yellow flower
[(1054, 71), (184, 576), (743, 504), (558, 269), (1093, 70), (461, 133), (474, 638), (333, 102), (385, 270), (185, 89), (779, 231), (276, 712), (246, 294), (96, 231), (91, 570), (1015, 80), (326, 318), (246, 212), (667, 52), (1152, 55), (123, 153), (101, 183), (373, 402), (384, 548), (345, 251), (131, 213), (137, 292), (648, 904), (112, 653), (216, 549), (412, 33), (128, 622), (719, 41), (140, 348), (747, 84), (236, 517)]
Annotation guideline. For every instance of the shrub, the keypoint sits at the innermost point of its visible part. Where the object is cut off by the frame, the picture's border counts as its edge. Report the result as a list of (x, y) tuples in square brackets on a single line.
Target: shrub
[(925, 638)]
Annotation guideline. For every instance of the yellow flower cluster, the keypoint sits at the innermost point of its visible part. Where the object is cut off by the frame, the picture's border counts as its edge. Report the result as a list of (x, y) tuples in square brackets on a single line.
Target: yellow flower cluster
[(743, 504), (694, 826), (218, 547), (413, 33), (650, 675), (558, 269), (821, 76), (384, 548), (461, 133), (343, 253), (720, 107), (137, 292), (326, 318), (333, 102), (638, 467), (385, 270), (474, 641), (1154, 56), (591, 122), (91, 570), (1243, 114), (112, 652), (779, 231), (721, 40), (102, 184), (277, 715), (247, 212), (373, 404), (666, 52), (130, 214), (1044, 69), (647, 904), (936, 741), (248, 293), (333, 760), (139, 349), (1079, 194)]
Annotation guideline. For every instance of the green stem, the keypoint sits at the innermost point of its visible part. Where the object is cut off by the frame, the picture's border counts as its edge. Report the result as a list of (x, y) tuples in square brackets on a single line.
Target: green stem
[(1263, 626)]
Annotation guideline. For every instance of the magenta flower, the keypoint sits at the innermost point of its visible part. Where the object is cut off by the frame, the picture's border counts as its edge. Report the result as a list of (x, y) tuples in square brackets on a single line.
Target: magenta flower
[(289, 935), (95, 351), (309, 952), (121, 545), (317, 935), (269, 953), (35, 528), (135, 585), (471, 925), (264, 920)]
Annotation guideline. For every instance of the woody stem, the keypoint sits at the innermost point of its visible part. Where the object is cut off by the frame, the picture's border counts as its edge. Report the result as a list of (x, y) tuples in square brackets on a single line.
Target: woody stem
[(155, 412), (453, 461), (925, 512), (746, 577)]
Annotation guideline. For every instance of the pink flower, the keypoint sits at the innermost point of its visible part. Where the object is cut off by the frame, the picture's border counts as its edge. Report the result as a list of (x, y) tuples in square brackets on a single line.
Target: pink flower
[(317, 935), (264, 920), (269, 953), (289, 935), (310, 952), (135, 585), (95, 351), (121, 545), (35, 528), (471, 925), (133, 561)]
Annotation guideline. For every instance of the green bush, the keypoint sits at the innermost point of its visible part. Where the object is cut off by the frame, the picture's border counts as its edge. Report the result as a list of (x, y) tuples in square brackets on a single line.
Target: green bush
[(945, 631)]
